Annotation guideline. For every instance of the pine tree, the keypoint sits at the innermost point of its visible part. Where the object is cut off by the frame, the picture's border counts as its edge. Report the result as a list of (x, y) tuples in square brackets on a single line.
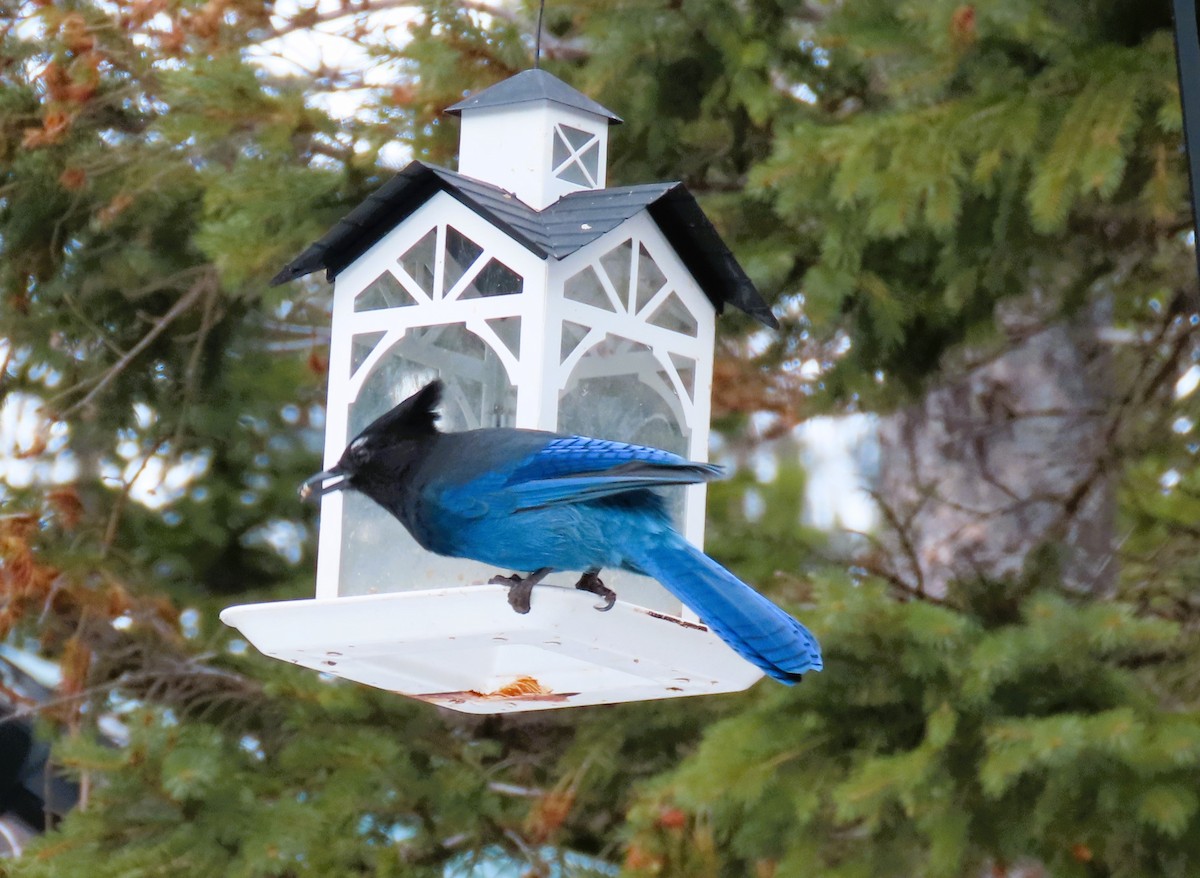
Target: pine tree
[(974, 175), (899, 181)]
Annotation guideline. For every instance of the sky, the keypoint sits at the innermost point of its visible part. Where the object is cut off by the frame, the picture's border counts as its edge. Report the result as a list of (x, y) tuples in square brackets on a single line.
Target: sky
[(328, 46)]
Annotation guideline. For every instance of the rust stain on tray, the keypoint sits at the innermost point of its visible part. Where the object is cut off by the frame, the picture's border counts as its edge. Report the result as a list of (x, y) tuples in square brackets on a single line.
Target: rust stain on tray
[(520, 689), (681, 622)]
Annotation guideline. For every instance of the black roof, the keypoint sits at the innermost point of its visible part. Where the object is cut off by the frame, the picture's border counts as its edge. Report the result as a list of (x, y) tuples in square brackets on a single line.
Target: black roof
[(554, 232), (532, 85)]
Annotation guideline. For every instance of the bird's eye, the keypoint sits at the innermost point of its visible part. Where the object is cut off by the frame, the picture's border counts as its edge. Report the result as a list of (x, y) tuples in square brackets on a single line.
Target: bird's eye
[(360, 453)]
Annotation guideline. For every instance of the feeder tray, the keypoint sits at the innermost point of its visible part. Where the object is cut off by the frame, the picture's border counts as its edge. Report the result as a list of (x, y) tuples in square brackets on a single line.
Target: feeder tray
[(466, 649)]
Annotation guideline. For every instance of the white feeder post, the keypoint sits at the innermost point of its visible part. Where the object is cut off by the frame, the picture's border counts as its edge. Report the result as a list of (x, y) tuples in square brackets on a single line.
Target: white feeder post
[(543, 301)]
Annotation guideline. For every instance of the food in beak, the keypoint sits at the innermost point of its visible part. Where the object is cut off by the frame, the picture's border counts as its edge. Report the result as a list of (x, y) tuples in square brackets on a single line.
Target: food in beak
[(316, 486)]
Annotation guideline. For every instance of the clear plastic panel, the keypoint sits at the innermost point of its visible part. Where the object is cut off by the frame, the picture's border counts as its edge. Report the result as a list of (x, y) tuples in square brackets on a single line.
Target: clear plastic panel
[(672, 314), (577, 137), (607, 397), (562, 149), (572, 335), (585, 287), (685, 367), (418, 261), (650, 278), (590, 159), (574, 173), (509, 331), (494, 279), (616, 266), (383, 292), (377, 554), (584, 167), (461, 253), (619, 390), (361, 346)]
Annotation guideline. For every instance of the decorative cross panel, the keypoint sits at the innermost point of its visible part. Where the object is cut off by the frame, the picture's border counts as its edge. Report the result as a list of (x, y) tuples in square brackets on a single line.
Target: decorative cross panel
[(632, 313), (576, 156), (634, 361)]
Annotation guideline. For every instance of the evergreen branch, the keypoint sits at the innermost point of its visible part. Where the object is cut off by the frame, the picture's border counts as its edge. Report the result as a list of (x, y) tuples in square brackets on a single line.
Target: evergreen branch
[(508, 789), (157, 670), (526, 851), (309, 331), (182, 304), (552, 47), (307, 20), (1146, 383), (338, 153), (96, 329), (897, 582), (9, 349), (35, 709), (901, 529), (12, 696), (158, 684), (114, 518), (207, 321)]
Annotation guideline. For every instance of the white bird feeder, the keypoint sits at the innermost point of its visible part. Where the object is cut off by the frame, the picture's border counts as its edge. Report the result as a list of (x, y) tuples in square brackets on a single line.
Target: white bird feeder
[(545, 301)]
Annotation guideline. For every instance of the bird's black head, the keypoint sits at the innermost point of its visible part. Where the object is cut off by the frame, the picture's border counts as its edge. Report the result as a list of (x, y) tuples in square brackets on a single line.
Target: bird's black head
[(374, 452)]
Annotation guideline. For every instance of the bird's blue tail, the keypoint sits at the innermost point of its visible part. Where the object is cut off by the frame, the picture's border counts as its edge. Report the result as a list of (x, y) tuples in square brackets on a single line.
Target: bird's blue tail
[(755, 628)]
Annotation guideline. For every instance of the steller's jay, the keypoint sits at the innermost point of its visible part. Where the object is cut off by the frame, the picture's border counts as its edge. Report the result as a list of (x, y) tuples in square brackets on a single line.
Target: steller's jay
[(532, 501)]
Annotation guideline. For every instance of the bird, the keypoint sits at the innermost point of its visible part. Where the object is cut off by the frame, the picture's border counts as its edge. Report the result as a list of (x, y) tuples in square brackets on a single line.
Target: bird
[(537, 502)]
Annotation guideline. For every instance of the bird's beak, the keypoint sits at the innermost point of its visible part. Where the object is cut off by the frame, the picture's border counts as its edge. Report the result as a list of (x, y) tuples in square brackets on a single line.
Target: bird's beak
[(322, 483)]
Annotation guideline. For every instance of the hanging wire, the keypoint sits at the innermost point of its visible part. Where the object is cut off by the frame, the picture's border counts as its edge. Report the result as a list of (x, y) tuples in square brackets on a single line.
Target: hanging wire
[(537, 40)]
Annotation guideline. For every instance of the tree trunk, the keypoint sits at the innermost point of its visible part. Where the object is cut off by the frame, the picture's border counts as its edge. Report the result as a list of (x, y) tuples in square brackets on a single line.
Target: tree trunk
[(1010, 457)]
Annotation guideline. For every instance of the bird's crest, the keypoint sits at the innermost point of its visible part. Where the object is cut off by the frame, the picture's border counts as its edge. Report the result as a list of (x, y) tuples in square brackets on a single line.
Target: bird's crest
[(416, 416)]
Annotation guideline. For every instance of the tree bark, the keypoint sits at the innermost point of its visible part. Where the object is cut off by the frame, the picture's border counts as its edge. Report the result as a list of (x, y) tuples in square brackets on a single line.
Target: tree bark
[(1010, 457)]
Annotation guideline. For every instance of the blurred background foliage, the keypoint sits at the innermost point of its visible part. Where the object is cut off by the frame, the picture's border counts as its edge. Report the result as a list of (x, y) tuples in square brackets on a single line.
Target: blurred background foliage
[(915, 187)]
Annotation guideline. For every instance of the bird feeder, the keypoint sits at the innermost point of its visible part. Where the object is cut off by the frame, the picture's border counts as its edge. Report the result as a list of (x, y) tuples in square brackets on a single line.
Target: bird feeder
[(542, 300)]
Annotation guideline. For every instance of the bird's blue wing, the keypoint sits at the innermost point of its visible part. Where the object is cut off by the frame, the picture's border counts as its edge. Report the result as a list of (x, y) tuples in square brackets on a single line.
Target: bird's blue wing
[(574, 469)]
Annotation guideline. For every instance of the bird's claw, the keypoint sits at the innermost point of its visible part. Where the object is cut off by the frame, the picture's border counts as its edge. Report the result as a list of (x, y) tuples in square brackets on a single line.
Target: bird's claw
[(590, 582), (520, 596), (520, 590)]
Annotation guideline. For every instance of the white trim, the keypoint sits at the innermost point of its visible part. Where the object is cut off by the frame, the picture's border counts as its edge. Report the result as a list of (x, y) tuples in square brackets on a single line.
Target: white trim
[(655, 301), (646, 333), (610, 289), (539, 342), (385, 344), (439, 262), (677, 380), (407, 281), (567, 368), (443, 311), (493, 341)]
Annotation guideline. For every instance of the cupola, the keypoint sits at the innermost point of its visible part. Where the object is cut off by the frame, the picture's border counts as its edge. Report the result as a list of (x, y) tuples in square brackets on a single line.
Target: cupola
[(535, 136)]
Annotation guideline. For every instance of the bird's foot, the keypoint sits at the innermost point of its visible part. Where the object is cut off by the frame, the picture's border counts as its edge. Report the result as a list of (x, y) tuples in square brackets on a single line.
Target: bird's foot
[(520, 589), (590, 581)]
